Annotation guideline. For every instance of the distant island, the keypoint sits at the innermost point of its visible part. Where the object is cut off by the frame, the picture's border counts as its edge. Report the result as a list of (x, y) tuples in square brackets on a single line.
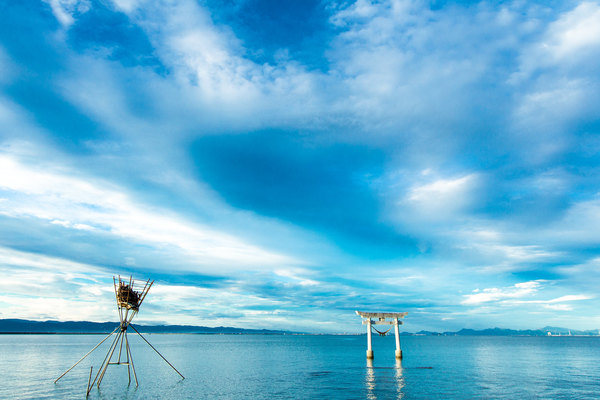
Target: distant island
[(23, 326)]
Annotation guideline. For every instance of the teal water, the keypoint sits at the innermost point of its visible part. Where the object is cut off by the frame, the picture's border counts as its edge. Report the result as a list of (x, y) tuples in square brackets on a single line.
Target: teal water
[(307, 367)]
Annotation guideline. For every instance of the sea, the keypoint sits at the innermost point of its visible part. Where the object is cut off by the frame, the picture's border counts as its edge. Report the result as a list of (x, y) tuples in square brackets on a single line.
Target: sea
[(305, 367)]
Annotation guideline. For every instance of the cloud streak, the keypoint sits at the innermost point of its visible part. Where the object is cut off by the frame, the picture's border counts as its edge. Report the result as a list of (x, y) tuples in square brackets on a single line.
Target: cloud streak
[(513, 296), (63, 199)]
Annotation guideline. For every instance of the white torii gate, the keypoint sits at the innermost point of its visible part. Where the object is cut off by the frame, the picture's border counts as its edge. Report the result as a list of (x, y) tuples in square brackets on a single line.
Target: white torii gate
[(381, 320)]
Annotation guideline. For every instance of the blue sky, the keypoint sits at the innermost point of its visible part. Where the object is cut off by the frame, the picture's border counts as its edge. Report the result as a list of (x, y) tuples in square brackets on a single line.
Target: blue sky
[(280, 164)]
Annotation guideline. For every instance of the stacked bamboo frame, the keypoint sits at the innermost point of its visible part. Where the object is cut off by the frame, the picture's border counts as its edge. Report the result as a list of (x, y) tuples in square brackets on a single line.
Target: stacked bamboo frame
[(129, 296)]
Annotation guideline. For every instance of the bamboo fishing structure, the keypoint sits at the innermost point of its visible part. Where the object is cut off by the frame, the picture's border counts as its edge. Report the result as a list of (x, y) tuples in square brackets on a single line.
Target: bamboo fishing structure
[(129, 296)]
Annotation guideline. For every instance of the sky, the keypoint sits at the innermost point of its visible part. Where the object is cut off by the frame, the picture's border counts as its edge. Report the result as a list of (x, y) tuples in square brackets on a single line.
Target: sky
[(280, 164)]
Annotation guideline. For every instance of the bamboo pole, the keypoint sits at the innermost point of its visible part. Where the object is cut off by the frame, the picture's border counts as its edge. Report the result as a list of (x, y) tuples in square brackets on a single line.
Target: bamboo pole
[(88, 353), (120, 349), (144, 290), (133, 314), (87, 392), (145, 293), (117, 298), (101, 365), (131, 359), (130, 288), (157, 351), (108, 361), (127, 354)]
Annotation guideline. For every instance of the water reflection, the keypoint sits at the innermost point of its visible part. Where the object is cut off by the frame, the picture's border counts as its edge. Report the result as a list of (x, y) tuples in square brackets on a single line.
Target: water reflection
[(370, 380), (386, 376), (399, 380)]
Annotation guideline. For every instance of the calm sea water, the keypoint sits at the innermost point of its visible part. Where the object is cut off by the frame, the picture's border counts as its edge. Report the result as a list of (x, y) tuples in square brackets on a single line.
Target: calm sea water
[(307, 367)]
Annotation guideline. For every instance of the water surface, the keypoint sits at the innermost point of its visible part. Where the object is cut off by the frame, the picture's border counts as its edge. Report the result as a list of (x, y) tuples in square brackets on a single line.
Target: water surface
[(306, 367)]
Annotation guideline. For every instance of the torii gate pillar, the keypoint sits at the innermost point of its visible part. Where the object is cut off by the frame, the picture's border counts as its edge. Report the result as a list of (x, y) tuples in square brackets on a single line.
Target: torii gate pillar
[(382, 320), (397, 335), (369, 348)]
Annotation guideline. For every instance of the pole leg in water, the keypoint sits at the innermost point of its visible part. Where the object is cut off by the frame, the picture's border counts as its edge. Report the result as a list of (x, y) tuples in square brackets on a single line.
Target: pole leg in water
[(87, 392), (131, 360), (167, 361), (88, 353), (108, 361)]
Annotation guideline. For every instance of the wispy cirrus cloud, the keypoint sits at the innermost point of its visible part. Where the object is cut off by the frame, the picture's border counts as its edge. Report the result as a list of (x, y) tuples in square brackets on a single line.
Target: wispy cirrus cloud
[(60, 197)]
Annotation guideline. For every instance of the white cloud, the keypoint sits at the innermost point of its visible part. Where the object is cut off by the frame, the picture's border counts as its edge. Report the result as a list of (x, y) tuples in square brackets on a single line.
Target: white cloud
[(298, 275), (64, 267), (190, 39), (512, 254), (41, 287), (207, 306), (558, 307), (528, 286), (575, 297), (556, 304), (37, 287), (127, 6), (564, 95), (440, 199), (62, 197), (574, 32), (556, 84), (489, 295), (387, 73), (580, 223), (567, 42), (65, 10), (210, 80), (513, 297), (544, 116), (442, 190), (402, 73)]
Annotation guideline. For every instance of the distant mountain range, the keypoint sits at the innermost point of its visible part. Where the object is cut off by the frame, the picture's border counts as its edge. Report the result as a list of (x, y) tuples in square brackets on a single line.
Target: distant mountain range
[(27, 326), (545, 331)]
